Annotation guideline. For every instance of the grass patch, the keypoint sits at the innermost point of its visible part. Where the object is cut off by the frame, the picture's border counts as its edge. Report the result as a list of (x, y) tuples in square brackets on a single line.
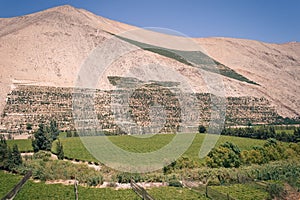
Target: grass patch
[(41, 190), (74, 149), (23, 145), (287, 131), (250, 191), (7, 182), (173, 193), (32, 190)]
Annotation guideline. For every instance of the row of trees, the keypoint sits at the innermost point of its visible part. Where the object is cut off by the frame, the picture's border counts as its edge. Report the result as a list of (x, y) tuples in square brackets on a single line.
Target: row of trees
[(72, 134), (229, 155), (9, 159), (263, 132), (226, 155), (44, 137)]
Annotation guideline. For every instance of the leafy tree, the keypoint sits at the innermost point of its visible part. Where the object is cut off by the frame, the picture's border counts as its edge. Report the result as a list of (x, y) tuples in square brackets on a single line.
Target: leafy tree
[(252, 157), (54, 130), (10, 164), (4, 154), (232, 147), (76, 134), (226, 155), (272, 132), (17, 155), (276, 190), (29, 126), (9, 159), (10, 136), (41, 141), (201, 129), (271, 142), (42, 155), (264, 132), (297, 135), (69, 134), (59, 150), (15, 158), (273, 153)]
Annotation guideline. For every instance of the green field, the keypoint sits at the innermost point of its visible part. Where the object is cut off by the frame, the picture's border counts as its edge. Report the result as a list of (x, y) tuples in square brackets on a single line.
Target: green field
[(32, 190), (173, 193), (250, 191), (288, 131), (23, 145), (74, 149), (7, 182)]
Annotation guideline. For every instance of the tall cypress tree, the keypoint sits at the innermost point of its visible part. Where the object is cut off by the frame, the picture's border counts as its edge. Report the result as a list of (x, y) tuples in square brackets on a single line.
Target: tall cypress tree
[(297, 135), (41, 141), (54, 130), (3, 153), (16, 156), (60, 150)]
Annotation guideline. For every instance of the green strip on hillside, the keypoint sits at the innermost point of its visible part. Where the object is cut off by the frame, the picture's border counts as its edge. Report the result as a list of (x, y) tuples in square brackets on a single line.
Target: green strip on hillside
[(191, 58)]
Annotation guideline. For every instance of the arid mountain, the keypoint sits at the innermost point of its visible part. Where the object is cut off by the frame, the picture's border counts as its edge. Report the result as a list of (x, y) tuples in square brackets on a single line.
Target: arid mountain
[(47, 49), (275, 67)]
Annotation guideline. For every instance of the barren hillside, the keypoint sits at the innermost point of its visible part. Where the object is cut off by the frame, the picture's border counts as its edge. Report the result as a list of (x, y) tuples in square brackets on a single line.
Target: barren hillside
[(276, 67), (48, 48)]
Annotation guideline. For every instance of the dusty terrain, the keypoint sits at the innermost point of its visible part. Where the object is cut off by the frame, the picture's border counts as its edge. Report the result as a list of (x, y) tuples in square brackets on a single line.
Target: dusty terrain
[(48, 48)]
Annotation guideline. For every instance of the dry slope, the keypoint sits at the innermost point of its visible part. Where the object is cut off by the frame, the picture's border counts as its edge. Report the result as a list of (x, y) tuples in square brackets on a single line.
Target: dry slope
[(47, 48)]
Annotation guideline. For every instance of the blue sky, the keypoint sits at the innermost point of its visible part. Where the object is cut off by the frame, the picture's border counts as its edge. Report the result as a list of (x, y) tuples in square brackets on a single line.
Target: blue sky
[(275, 21)]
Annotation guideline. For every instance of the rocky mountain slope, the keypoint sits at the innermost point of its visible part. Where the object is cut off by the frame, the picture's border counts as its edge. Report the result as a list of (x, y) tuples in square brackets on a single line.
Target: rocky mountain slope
[(48, 48)]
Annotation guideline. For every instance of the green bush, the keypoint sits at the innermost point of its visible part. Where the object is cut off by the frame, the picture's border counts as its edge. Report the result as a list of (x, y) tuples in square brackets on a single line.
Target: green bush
[(59, 169), (201, 129), (43, 155), (174, 183), (95, 180), (59, 150), (125, 177), (276, 190), (226, 155)]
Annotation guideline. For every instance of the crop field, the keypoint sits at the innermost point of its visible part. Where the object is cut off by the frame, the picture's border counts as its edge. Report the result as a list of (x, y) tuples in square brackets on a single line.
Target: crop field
[(23, 145), (279, 128), (250, 191), (74, 149), (173, 193), (288, 131), (32, 190), (7, 182)]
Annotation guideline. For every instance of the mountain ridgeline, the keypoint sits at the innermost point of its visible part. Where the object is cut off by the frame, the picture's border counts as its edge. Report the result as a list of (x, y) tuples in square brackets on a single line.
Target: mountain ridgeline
[(42, 53)]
